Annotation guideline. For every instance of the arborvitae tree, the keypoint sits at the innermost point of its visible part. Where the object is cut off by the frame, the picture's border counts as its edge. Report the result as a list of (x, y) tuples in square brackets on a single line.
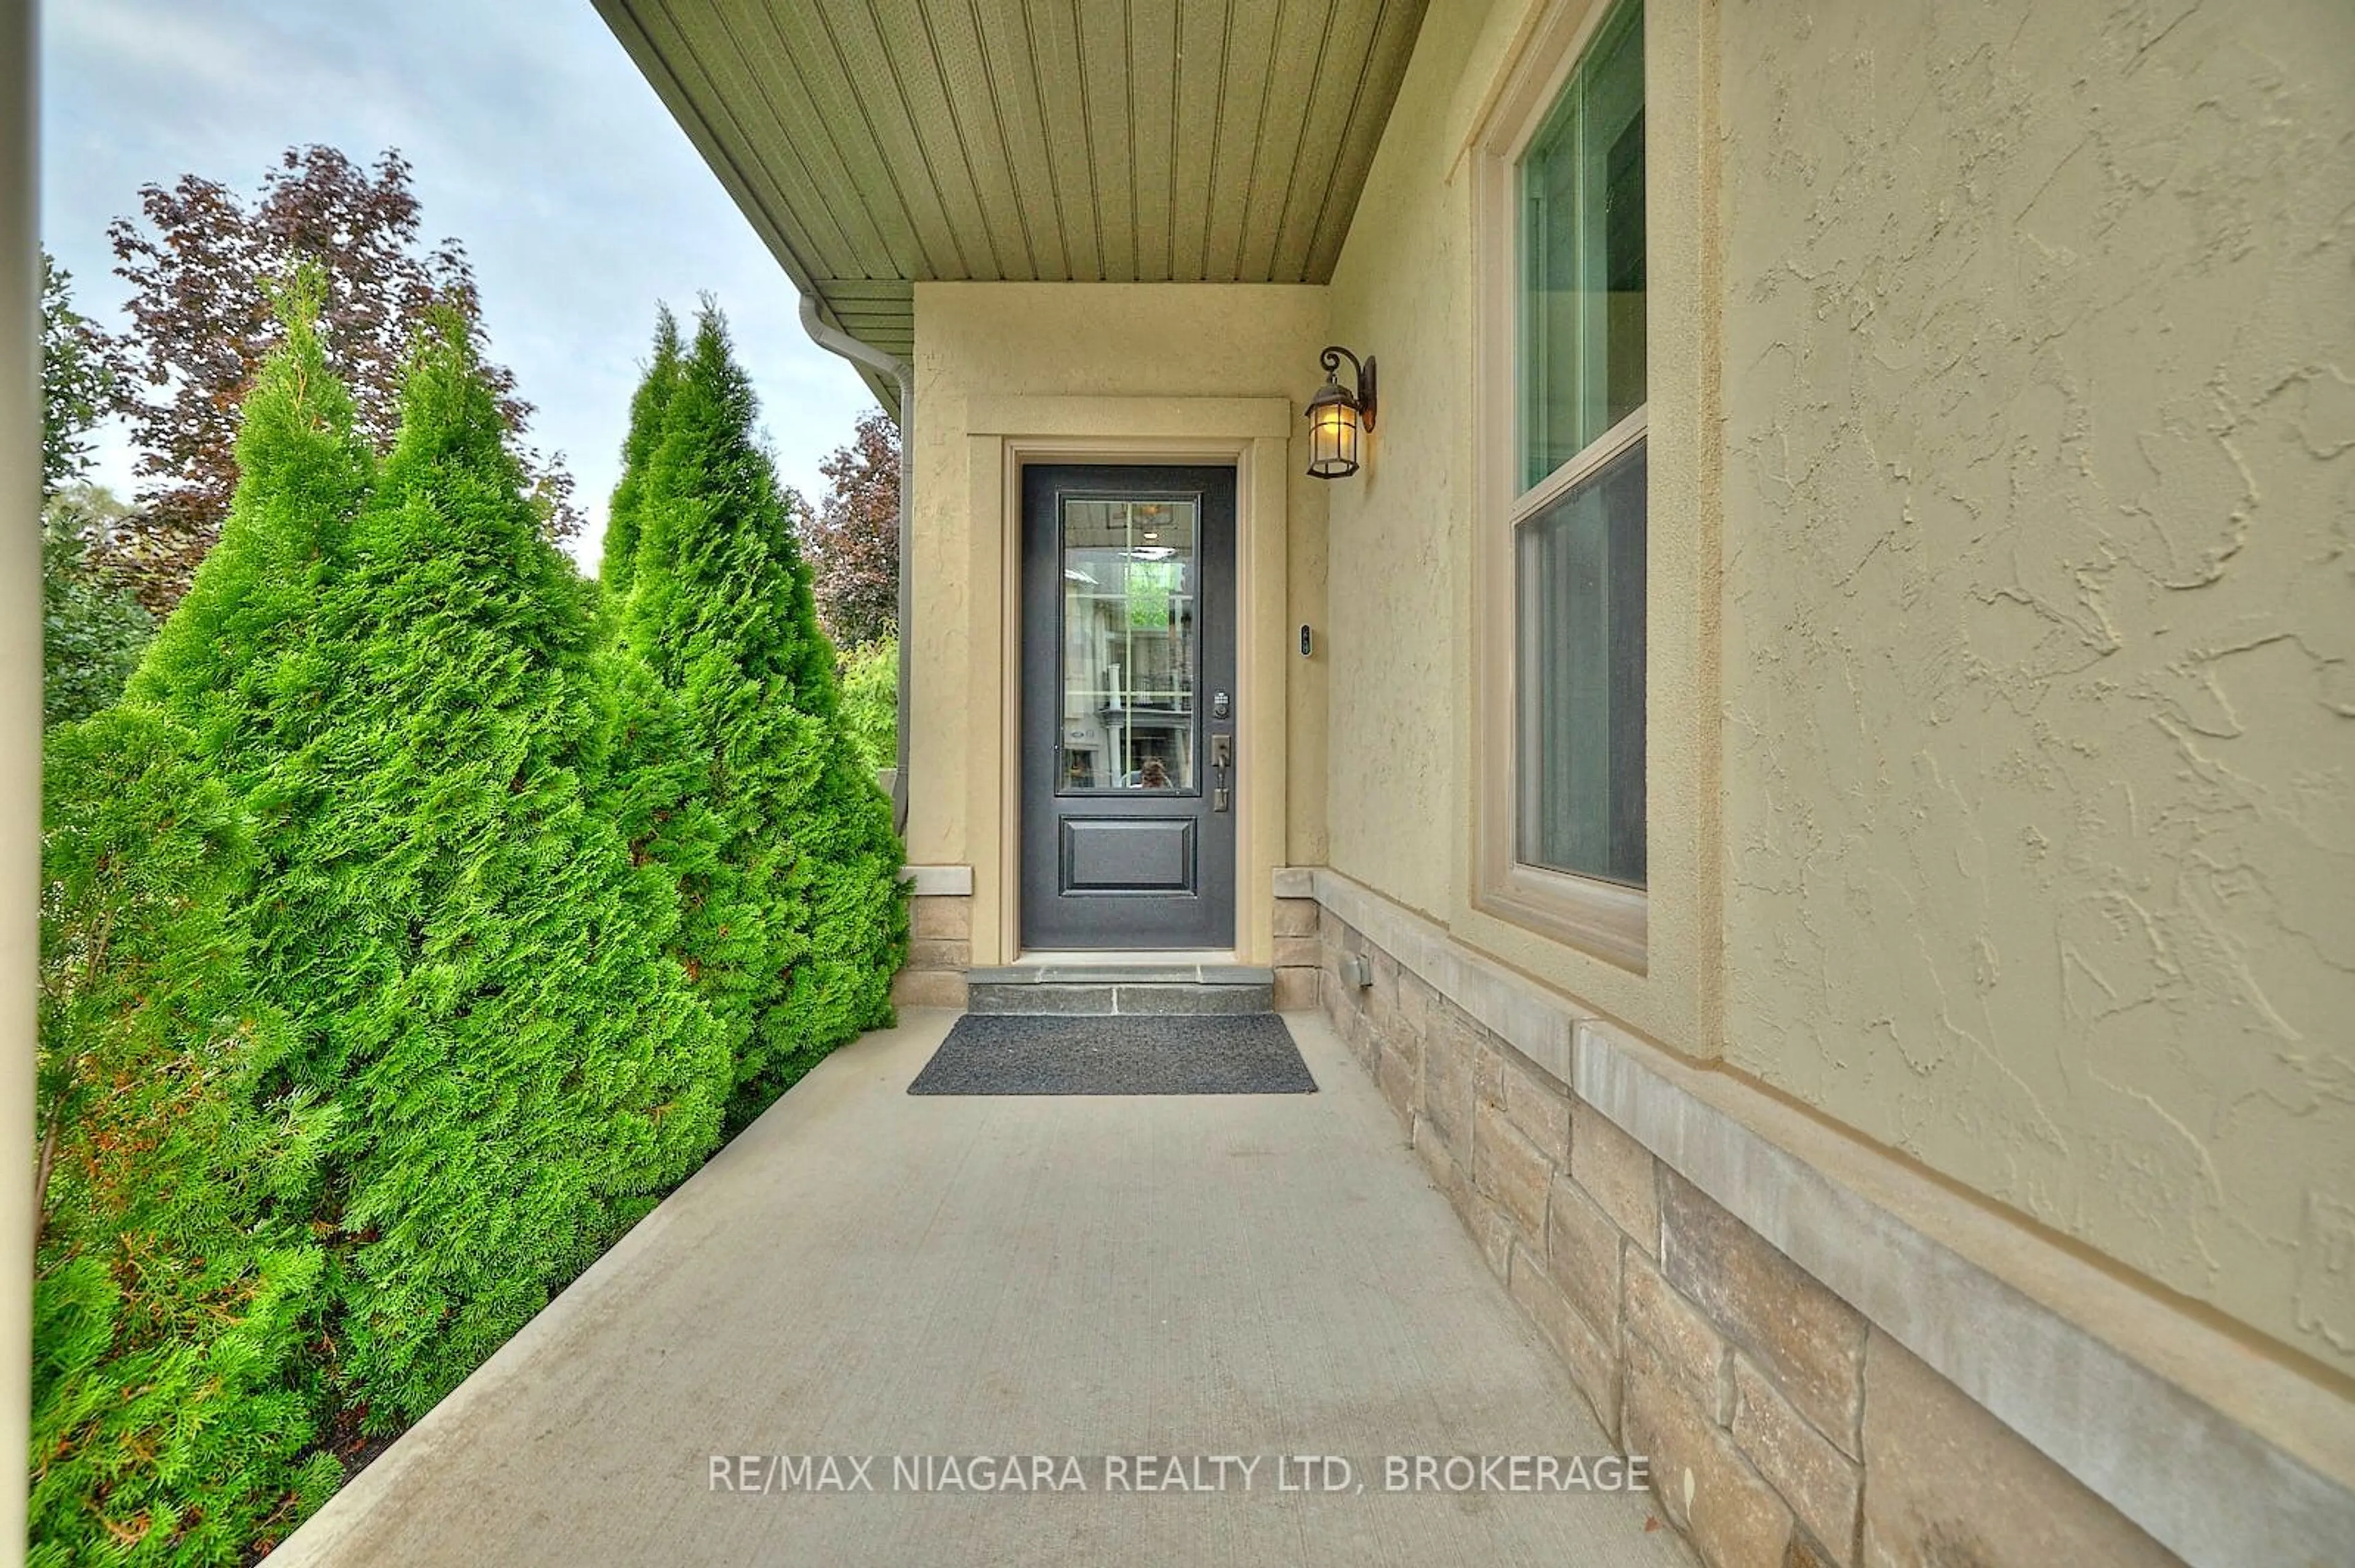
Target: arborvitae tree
[(477, 967), (871, 701), (180, 1281), (646, 409), (718, 606), (235, 662), (175, 1283), (654, 781)]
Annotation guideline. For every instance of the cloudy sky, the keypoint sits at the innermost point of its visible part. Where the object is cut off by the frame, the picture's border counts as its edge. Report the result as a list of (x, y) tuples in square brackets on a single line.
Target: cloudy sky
[(535, 142)]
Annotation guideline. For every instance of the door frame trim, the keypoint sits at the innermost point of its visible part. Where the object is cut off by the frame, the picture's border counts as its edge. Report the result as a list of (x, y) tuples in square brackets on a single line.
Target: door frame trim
[(1252, 435)]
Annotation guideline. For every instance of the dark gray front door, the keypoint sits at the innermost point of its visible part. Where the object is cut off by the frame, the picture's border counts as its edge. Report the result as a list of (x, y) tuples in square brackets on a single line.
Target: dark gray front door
[(1128, 707)]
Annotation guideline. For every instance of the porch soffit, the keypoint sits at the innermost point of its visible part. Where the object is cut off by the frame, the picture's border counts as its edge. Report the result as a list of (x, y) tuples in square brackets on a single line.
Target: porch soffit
[(879, 143)]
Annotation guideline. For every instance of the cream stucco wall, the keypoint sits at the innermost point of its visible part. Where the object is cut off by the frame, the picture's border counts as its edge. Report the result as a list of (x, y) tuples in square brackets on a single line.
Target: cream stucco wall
[(2003, 733), (1202, 368), (2017, 827), (1397, 531), (1408, 535), (2041, 751)]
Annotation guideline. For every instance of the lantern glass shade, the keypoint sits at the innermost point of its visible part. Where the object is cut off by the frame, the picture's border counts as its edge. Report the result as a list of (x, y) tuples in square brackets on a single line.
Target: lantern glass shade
[(1333, 431)]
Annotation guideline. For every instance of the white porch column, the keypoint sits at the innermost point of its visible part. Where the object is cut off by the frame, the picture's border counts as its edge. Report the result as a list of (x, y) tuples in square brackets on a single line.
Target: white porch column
[(20, 730)]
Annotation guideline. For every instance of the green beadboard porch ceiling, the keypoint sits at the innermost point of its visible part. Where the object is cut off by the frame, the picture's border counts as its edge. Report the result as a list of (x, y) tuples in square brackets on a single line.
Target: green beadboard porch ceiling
[(879, 143)]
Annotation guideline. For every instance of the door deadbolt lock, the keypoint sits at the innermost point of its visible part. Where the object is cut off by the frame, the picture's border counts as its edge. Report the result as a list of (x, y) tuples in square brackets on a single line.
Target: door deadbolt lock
[(1219, 706)]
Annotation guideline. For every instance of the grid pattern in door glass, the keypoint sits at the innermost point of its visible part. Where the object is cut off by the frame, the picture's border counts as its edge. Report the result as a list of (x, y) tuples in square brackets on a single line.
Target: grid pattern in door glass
[(1131, 645)]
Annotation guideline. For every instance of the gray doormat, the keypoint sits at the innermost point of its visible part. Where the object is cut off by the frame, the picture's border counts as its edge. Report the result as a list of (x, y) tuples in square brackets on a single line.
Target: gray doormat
[(1002, 1053)]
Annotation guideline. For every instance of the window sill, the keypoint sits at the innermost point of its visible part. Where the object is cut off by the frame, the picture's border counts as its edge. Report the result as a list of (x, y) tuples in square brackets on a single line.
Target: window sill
[(1600, 919)]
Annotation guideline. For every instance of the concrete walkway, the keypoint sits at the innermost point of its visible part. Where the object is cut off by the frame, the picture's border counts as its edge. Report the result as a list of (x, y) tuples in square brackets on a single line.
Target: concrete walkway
[(868, 1274)]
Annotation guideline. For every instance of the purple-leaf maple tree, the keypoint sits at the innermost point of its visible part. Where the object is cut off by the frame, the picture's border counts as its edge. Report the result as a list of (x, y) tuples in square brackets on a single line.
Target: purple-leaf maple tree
[(854, 541), (202, 267)]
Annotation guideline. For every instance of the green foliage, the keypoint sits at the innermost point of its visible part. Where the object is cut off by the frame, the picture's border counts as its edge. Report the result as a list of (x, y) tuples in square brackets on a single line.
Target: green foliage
[(414, 921), (523, 1068), (76, 383), (175, 1282), (794, 933), (400, 676), (93, 628), (178, 1274), (235, 662), (1150, 585), (646, 409), (871, 701)]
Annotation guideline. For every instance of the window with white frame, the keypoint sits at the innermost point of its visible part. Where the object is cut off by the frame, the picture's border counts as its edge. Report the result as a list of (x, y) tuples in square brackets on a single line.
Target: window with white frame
[(1578, 523)]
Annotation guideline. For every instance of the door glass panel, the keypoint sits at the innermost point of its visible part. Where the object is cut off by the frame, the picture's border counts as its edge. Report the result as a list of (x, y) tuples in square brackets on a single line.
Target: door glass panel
[(1131, 649)]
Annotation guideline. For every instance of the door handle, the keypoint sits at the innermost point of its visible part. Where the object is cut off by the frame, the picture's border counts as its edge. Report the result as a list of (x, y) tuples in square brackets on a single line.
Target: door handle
[(1222, 757)]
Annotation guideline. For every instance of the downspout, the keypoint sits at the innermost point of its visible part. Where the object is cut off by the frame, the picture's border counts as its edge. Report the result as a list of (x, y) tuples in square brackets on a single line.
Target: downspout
[(836, 341)]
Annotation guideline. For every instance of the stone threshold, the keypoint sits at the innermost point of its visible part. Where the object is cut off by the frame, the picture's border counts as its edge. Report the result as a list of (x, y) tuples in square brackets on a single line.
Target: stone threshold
[(1160, 990), (1121, 974), (2221, 1453)]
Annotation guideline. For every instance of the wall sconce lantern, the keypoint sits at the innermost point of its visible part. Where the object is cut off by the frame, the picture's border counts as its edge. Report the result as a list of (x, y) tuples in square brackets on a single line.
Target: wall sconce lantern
[(1337, 418)]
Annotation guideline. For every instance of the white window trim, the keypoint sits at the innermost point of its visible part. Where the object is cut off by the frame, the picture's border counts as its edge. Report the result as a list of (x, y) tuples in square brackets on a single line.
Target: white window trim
[(1609, 920)]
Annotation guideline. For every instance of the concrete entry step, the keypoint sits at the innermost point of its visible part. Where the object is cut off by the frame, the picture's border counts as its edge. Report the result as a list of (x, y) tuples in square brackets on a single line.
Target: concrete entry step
[(1161, 990)]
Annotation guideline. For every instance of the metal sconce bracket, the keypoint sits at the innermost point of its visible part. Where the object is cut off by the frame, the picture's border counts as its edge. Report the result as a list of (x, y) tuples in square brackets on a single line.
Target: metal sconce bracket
[(1363, 399)]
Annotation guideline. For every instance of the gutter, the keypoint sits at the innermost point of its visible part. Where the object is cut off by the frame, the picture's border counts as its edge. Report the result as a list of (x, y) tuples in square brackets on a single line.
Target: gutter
[(836, 341)]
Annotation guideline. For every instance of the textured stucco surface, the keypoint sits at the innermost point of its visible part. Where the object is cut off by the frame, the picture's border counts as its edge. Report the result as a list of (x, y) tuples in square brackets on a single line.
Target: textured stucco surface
[(2038, 722), (1407, 534), (1398, 721), (2040, 754)]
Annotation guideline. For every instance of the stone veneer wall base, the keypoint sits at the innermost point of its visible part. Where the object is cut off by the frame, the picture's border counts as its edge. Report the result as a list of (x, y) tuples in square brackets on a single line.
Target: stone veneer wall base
[(939, 937), (1833, 1359)]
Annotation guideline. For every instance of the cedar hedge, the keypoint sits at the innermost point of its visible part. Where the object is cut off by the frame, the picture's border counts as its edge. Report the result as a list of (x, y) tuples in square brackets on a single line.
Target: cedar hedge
[(175, 1282), (794, 933), (871, 699), (422, 914)]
